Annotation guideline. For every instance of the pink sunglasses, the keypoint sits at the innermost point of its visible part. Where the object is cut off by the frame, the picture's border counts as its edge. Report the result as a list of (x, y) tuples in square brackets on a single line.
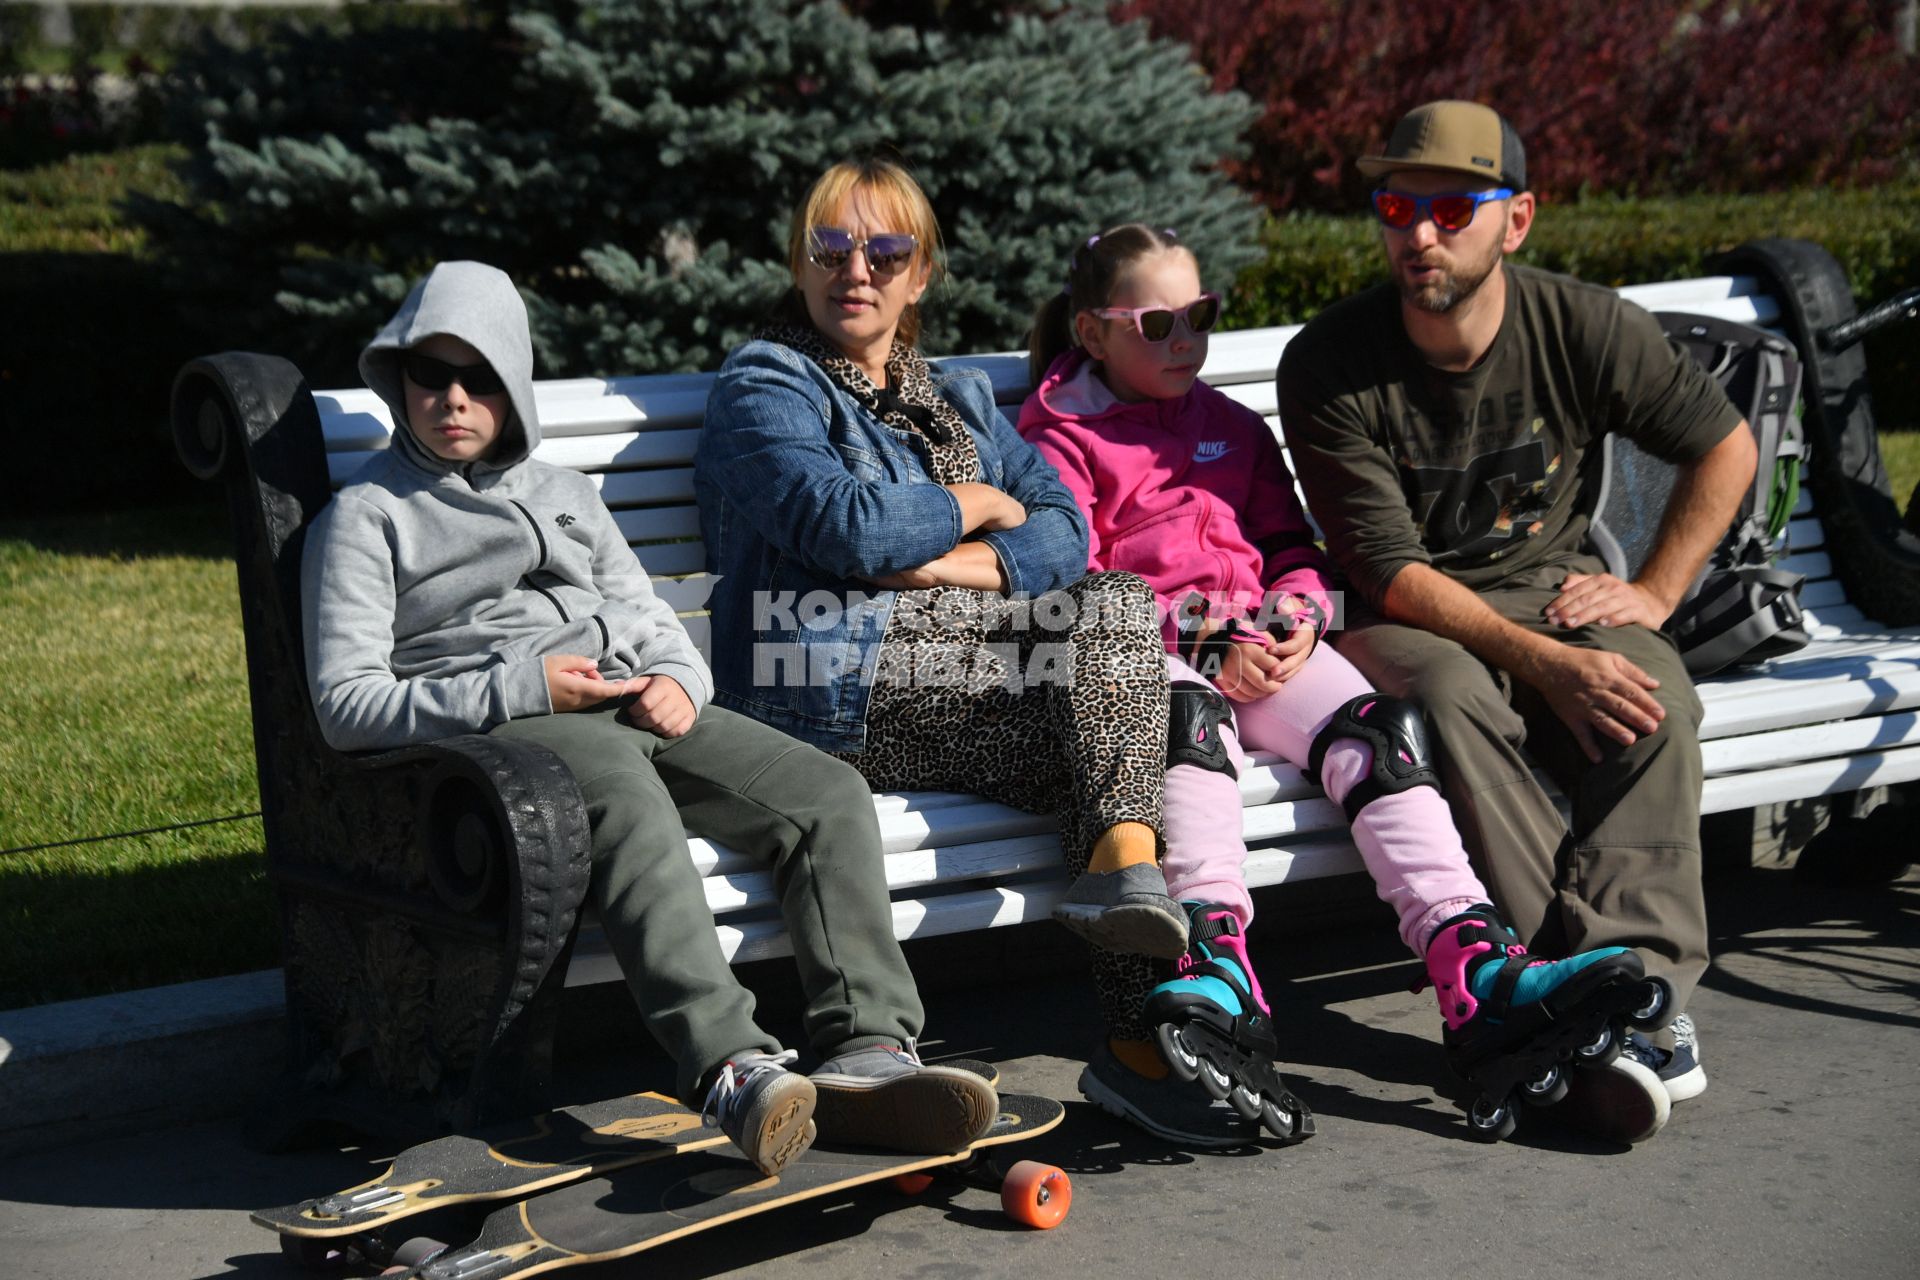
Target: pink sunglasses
[(1156, 324)]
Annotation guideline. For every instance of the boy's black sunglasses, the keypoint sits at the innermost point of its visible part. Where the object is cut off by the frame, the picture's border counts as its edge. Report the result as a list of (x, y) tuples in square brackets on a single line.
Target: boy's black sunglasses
[(438, 375)]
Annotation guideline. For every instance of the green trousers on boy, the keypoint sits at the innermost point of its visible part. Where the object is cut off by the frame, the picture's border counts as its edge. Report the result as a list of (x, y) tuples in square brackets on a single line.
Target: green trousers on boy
[(1625, 871), (760, 793)]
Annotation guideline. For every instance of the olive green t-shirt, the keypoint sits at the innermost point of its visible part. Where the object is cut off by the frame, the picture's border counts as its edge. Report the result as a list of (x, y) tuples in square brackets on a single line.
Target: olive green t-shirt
[(1494, 471)]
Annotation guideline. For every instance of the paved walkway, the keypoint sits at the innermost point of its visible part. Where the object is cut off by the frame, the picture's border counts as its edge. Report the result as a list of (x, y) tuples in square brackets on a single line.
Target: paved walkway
[(1803, 1157)]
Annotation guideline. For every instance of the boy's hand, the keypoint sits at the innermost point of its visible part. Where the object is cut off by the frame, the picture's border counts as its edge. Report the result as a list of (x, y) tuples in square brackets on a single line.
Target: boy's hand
[(659, 705), (574, 683)]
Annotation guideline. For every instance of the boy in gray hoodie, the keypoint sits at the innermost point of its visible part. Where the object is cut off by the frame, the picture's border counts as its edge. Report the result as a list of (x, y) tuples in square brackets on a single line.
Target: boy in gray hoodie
[(457, 585)]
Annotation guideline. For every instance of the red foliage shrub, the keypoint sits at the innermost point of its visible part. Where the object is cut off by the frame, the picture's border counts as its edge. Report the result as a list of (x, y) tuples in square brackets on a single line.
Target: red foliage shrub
[(1636, 97)]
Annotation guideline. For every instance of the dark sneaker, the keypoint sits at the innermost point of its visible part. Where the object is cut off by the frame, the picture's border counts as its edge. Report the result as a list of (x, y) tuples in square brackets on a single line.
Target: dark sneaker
[(884, 1096), (1165, 1108), (766, 1109), (1679, 1067), (1126, 910), (1622, 1102)]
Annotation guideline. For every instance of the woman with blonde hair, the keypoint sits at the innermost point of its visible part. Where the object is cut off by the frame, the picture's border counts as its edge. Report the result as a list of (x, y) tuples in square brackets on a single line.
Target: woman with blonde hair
[(904, 582)]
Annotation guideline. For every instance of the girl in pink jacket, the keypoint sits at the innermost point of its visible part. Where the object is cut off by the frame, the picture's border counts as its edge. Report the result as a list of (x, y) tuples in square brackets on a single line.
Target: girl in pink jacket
[(1188, 489)]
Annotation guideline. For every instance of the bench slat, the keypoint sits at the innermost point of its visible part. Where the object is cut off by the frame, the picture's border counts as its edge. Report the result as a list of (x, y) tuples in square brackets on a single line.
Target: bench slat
[(1871, 689), (1813, 778), (1814, 564), (963, 912), (751, 887), (1727, 756)]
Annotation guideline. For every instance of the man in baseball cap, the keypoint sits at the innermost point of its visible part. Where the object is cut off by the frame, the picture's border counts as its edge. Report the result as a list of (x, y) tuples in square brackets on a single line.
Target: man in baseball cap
[(1461, 137), (1446, 427)]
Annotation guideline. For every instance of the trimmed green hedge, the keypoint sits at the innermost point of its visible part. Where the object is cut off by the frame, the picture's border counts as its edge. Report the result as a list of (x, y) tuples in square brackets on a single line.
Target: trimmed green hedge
[(1313, 260)]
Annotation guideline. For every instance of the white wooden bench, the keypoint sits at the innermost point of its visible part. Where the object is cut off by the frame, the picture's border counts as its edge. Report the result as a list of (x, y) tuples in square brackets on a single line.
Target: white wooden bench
[(1839, 716)]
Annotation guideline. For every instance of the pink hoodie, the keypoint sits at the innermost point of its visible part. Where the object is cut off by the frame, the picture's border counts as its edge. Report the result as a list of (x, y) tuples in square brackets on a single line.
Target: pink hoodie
[(1191, 494)]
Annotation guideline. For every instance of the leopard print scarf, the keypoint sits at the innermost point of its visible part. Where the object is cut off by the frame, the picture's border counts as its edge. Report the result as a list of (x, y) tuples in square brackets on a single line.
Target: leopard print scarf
[(909, 402)]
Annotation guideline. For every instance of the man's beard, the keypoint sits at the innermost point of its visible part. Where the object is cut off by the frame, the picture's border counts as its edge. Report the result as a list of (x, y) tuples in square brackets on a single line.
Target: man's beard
[(1453, 287)]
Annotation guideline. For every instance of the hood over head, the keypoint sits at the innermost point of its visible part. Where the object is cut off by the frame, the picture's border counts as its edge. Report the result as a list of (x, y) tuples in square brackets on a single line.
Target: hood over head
[(479, 305)]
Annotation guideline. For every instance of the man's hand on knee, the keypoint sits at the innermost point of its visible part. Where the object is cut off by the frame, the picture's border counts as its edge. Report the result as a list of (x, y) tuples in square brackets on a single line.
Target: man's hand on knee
[(1598, 694), (1602, 600)]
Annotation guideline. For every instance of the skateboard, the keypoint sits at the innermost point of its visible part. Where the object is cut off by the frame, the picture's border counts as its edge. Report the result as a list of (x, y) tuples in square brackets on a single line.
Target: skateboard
[(503, 1162), (631, 1210)]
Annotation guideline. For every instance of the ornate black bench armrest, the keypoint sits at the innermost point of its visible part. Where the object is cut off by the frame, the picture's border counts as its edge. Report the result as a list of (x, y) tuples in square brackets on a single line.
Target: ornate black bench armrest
[(428, 895)]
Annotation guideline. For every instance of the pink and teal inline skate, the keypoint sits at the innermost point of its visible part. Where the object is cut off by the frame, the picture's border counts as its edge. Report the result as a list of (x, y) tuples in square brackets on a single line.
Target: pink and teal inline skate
[(1515, 1024), (1213, 1025)]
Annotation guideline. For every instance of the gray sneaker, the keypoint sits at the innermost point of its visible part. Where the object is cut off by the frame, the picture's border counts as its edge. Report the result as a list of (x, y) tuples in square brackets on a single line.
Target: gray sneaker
[(1165, 1108), (1126, 910), (884, 1096), (766, 1109)]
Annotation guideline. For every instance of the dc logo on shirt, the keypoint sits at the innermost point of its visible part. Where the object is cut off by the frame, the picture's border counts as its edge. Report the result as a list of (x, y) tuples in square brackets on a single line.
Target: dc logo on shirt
[(1210, 450)]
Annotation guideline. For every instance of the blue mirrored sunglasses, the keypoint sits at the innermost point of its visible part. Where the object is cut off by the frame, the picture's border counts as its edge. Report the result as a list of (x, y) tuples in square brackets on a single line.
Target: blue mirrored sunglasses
[(831, 248)]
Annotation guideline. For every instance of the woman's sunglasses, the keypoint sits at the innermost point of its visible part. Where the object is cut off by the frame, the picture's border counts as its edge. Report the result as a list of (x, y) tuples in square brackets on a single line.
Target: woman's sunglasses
[(1156, 324), (438, 375), (1452, 211), (831, 248)]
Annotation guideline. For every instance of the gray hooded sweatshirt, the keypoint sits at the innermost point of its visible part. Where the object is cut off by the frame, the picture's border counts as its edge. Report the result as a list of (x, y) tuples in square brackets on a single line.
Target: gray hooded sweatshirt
[(431, 590)]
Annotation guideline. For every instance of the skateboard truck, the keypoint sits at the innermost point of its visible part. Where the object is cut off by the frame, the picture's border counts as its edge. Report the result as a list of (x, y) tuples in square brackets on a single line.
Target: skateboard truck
[(464, 1267), (357, 1202)]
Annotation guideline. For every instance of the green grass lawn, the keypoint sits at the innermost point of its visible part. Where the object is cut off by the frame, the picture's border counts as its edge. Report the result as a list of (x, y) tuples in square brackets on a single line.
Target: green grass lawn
[(74, 206), (1900, 450), (123, 707)]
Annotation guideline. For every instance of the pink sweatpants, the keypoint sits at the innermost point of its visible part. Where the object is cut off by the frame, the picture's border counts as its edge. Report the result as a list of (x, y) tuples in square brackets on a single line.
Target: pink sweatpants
[(1407, 841)]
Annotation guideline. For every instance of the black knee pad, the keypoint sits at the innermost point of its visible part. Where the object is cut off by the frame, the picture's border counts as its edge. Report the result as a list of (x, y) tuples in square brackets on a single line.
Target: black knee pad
[(1193, 728), (1397, 731)]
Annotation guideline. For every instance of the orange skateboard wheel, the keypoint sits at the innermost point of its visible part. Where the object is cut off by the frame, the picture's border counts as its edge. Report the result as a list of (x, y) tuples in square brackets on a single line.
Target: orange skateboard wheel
[(1036, 1195), (912, 1184)]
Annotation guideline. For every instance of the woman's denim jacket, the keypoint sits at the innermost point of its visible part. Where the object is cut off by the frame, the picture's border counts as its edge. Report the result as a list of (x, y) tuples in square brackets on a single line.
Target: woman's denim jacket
[(804, 497)]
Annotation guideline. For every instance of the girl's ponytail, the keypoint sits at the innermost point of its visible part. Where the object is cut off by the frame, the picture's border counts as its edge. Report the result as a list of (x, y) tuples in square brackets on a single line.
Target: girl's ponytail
[(1051, 335), (1093, 269)]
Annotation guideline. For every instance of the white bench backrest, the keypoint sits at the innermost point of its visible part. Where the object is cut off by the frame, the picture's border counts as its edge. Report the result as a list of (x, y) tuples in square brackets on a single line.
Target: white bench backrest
[(635, 436)]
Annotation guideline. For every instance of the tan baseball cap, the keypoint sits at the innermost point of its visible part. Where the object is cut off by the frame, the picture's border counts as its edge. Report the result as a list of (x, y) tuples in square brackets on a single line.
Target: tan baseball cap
[(1464, 137)]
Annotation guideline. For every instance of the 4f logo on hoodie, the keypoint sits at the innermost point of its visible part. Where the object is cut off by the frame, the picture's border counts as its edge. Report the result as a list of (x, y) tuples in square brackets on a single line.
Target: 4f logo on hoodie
[(1210, 450), (563, 519)]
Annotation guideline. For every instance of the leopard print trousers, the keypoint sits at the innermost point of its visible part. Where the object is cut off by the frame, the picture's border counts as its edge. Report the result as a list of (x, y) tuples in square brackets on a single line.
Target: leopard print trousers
[(1057, 704)]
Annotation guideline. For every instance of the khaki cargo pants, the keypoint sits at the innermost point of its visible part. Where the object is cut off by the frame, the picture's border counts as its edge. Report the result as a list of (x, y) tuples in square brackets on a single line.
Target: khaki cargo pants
[(1626, 870)]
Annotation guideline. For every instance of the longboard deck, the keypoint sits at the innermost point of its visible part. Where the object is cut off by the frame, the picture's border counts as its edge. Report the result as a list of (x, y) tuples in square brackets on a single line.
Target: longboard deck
[(512, 1160), (630, 1210), (545, 1151)]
